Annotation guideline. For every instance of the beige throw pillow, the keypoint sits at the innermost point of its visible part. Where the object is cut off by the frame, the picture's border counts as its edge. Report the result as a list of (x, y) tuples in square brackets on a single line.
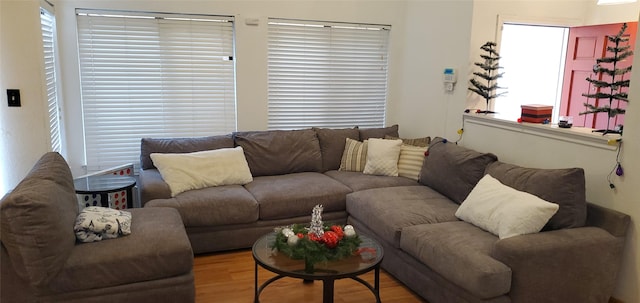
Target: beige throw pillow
[(382, 157), (197, 170), (410, 161), (354, 156)]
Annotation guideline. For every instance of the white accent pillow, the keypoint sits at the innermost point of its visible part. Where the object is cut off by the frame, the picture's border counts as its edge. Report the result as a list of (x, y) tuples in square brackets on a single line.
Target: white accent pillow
[(202, 169), (410, 161), (382, 157), (504, 211)]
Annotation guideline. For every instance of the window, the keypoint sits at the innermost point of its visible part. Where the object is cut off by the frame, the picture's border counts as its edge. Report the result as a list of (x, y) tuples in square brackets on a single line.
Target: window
[(48, 25), (152, 75), (326, 74), (532, 58)]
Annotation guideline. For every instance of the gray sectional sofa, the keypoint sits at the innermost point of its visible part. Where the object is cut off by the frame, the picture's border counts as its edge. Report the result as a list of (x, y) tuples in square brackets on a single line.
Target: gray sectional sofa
[(575, 258), (290, 177), (42, 262)]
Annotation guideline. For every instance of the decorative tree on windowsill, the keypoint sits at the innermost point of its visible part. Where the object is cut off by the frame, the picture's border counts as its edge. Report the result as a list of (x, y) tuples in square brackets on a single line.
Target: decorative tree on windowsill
[(611, 90), (487, 87)]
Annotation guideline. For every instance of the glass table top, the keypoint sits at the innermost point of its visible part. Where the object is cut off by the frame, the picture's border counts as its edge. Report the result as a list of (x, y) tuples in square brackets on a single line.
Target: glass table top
[(280, 263), (103, 183)]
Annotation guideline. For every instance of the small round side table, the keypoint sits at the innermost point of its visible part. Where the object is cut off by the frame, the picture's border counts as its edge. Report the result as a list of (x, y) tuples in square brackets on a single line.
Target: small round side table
[(103, 185)]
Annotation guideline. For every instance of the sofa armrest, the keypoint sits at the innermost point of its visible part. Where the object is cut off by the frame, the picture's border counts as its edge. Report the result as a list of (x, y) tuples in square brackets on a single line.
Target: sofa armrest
[(152, 186), (615, 222), (567, 265)]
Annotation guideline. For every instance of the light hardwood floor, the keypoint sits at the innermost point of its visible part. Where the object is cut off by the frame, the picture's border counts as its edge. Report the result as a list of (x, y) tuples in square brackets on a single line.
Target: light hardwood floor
[(228, 277)]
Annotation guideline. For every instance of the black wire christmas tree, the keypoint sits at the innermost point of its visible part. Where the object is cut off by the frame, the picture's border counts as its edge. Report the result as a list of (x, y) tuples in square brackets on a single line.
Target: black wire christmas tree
[(487, 88), (611, 90)]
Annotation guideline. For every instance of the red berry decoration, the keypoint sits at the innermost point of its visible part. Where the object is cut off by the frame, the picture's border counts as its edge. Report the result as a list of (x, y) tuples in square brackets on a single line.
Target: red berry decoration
[(338, 230), (313, 237), (519, 120), (300, 235), (330, 239)]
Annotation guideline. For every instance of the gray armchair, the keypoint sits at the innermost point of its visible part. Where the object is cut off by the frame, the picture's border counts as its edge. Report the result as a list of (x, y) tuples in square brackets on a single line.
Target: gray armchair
[(42, 262)]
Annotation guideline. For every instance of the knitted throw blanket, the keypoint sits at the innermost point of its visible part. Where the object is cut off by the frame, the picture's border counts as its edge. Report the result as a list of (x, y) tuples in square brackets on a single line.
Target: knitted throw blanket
[(95, 223)]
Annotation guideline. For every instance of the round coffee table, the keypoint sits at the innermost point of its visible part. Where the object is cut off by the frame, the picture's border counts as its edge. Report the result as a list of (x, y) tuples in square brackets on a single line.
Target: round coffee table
[(328, 272)]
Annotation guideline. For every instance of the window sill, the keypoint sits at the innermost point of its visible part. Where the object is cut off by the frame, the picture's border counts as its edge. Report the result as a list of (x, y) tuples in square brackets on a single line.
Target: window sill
[(578, 135)]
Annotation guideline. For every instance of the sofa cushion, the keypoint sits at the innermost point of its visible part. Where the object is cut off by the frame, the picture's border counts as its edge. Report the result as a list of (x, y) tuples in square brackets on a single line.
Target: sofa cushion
[(380, 132), (37, 220), (280, 152), (292, 195), (332, 143), (387, 211), (186, 171), (180, 145), (504, 211), (460, 252), (158, 247), (354, 156), (453, 170), (565, 187), (152, 186), (358, 181), (213, 206), (382, 157)]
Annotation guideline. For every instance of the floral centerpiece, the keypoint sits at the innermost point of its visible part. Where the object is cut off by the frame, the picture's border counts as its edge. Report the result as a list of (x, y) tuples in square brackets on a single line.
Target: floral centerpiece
[(318, 242)]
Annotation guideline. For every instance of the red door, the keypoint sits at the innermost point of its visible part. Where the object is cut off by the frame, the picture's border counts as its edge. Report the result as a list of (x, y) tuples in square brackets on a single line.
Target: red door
[(586, 44)]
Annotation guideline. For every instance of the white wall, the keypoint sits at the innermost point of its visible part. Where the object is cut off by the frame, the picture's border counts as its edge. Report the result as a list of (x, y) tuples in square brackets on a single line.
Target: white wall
[(437, 37), (605, 14), (534, 151), (24, 132)]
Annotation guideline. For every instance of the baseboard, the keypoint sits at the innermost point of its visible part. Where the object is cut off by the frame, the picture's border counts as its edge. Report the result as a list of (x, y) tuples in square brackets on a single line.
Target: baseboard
[(614, 300)]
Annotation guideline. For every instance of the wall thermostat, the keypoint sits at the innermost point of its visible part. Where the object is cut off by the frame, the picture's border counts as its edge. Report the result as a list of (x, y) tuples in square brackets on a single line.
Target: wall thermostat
[(449, 75), (449, 79)]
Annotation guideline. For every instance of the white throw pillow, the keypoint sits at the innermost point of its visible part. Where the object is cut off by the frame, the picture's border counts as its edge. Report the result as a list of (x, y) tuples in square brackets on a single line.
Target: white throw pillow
[(410, 161), (382, 157), (504, 211), (202, 169)]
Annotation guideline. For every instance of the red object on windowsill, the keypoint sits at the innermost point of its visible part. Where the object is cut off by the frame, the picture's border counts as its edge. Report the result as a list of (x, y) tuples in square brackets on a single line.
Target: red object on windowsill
[(536, 113)]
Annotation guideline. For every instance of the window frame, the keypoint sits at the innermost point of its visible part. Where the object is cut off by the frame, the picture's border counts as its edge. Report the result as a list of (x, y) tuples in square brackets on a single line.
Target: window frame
[(577, 135), (50, 68), (560, 70), (317, 77), (173, 77)]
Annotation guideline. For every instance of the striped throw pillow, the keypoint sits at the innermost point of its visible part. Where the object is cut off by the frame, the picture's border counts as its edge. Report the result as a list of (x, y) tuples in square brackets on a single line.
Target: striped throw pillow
[(415, 142), (354, 157), (410, 161)]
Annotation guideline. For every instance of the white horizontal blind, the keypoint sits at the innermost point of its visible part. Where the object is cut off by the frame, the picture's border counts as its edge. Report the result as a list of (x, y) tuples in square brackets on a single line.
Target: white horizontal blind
[(47, 22), (153, 75), (326, 74)]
